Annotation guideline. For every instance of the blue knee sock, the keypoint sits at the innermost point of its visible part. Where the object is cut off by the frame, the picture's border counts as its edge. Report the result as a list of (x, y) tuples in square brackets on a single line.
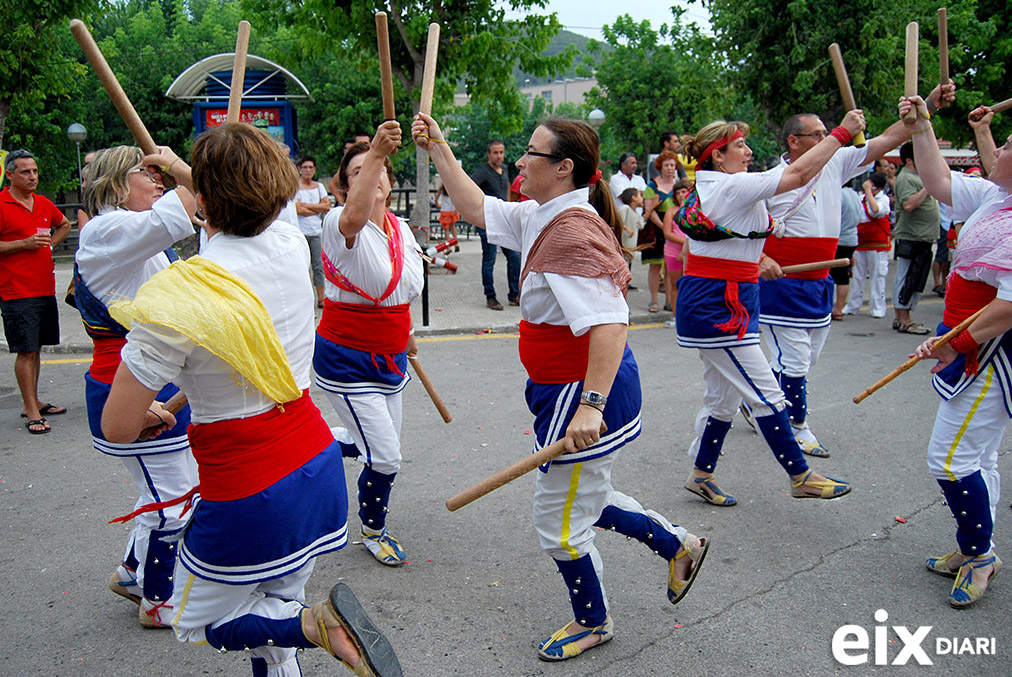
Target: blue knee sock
[(968, 500), (796, 392), (373, 498), (776, 430), (252, 631), (642, 528), (259, 666), (159, 564), (585, 593), (710, 443)]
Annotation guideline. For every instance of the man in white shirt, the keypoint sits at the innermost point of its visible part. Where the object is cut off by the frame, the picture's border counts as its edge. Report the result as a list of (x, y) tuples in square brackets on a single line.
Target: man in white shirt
[(627, 176)]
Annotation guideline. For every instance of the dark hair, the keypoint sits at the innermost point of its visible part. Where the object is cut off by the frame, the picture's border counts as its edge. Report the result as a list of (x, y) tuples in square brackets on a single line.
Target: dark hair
[(907, 152), (878, 180), (244, 177), (494, 142), (665, 137), (628, 194), (664, 156), (624, 157), (795, 125), (304, 159), (11, 163), (350, 154)]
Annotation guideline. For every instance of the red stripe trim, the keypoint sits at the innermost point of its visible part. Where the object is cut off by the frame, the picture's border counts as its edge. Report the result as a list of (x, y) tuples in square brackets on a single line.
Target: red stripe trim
[(552, 354), (371, 329), (721, 269), (792, 251)]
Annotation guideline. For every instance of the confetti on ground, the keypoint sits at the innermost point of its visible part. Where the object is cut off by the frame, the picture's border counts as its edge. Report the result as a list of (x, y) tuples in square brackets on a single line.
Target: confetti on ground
[(678, 625), (901, 520), (438, 310), (430, 559), (527, 432), (481, 427)]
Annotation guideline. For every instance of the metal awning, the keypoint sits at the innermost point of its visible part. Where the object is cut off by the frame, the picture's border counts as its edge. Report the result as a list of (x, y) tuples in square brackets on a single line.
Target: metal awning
[(190, 84)]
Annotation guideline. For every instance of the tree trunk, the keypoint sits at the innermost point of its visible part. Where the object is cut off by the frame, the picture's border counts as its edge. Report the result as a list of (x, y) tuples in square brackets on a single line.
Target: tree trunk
[(5, 109)]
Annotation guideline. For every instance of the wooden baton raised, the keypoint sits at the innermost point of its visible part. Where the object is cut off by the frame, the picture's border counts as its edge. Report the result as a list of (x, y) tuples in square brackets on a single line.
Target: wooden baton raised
[(996, 108), (386, 71), (430, 389), (112, 86), (846, 93), (910, 68), (815, 265), (429, 74), (945, 338), (943, 46), (238, 72), (506, 475)]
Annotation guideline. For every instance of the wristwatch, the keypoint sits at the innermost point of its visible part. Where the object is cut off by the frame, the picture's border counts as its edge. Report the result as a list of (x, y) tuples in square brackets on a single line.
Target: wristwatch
[(594, 398)]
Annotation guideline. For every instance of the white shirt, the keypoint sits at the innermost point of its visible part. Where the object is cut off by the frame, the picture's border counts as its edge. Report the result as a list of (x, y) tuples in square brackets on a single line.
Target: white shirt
[(289, 213), (619, 182), (119, 250), (973, 198), (550, 298), (274, 264), (446, 204), (367, 263), (311, 225), (819, 215), (736, 202), (884, 206)]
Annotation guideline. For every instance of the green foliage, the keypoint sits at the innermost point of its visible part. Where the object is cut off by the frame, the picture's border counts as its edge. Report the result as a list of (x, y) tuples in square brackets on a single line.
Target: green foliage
[(470, 128)]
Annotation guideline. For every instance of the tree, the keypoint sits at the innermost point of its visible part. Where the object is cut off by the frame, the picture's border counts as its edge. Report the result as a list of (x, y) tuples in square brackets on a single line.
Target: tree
[(478, 46)]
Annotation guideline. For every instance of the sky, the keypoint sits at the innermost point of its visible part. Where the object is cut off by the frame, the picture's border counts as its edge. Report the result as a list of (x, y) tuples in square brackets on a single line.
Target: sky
[(587, 16)]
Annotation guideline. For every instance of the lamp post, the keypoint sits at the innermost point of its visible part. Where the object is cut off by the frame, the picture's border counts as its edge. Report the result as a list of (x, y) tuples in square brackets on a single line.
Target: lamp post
[(596, 118), (77, 133)]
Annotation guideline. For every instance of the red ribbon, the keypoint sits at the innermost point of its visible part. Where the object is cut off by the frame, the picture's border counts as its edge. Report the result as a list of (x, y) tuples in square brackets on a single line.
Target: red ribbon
[(718, 144), (393, 232)]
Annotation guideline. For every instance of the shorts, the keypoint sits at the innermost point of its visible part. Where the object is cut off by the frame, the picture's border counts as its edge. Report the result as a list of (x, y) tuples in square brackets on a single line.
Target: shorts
[(841, 276), (31, 323)]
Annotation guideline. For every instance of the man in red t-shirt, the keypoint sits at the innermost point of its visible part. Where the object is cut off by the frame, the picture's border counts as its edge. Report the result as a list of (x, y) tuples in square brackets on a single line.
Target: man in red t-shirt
[(28, 279)]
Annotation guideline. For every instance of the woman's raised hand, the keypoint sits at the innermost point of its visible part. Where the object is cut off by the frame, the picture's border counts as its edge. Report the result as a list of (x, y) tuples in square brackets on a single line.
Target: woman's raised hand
[(980, 117), (425, 130), (853, 121), (908, 104), (388, 138)]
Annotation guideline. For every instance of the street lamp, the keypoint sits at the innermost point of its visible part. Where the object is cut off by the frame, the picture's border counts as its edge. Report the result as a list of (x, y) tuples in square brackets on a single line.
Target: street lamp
[(78, 133), (596, 118)]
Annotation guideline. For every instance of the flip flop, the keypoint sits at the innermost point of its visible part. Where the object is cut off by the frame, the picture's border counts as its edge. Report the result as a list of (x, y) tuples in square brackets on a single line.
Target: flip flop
[(37, 421), (48, 409), (344, 610)]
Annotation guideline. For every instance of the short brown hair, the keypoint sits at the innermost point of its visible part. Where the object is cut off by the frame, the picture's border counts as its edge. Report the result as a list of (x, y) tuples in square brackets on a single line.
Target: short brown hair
[(664, 156), (716, 130), (107, 186), (349, 155), (244, 177)]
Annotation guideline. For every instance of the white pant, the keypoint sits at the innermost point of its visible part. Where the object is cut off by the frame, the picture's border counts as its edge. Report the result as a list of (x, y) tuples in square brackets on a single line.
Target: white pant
[(873, 264), (793, 350), (967, 433), (374, 421), (160, 477), (733, 374), (198, 603)]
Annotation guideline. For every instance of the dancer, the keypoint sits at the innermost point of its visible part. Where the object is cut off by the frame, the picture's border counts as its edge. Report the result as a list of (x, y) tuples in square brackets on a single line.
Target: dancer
[(233, 327), (128, 239), (582, 373), (972, 375), (718, 298), (374, 272)]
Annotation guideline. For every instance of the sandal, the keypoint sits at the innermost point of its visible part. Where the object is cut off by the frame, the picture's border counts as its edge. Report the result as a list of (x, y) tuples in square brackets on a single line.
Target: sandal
[(709, 491), (677, 588), (940, 565), (964, 592), (37, 422), (913, 328), (652, 307), (48, 409), (828, 488), (562, 646), (343, 610), (121, 587)]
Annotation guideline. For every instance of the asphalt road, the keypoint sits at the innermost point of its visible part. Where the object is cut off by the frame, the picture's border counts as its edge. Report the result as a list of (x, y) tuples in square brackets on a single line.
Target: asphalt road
[(781, 577)]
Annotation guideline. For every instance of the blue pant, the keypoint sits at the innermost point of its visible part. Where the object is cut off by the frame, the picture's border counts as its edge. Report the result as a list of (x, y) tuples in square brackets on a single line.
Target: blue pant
[(488, 264)]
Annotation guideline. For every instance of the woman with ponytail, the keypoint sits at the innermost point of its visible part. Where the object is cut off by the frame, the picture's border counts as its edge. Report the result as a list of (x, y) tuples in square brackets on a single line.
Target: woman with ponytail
[(583, 380)]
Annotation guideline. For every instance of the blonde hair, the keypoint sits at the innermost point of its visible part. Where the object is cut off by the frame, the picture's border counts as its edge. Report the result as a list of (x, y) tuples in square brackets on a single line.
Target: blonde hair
[(244, 177), (107, 185), (715, 131)]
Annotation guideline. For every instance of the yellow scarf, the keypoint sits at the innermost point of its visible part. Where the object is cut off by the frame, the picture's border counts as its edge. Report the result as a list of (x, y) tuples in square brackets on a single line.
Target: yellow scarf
[(220, 313)]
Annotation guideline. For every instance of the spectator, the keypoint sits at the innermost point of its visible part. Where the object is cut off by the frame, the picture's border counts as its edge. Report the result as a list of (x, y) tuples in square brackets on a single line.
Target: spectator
[(626, 176), (851, 214), (515, 194), (334, 185), (940, 266), (916, 229), (632, 222), (82, 216), (28, 281), (871, 259), (494, 180), (311, 203), (674, 241), (658, 198), (671, 143), (448, 215)]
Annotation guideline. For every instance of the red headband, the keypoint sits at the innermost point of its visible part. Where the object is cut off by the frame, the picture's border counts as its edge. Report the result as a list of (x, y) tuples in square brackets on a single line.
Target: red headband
[(595, 177), (718, 144)]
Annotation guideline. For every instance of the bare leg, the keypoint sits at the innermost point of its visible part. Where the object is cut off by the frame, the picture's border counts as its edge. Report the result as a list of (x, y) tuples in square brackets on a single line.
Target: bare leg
[(26, 371), (340, 642), (654, 278)]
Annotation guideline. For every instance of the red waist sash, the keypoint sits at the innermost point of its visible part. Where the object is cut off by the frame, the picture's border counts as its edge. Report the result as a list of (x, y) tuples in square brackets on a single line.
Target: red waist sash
[(371, 329), (239, 457), (873, 234), (105, 360), (722, 269), (551, 354), (963, 298), (792, 251)]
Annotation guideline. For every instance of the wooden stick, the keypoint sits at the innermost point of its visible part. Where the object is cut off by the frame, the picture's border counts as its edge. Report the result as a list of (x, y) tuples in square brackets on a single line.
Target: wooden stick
[(506, 475), (429, 74), (910, 70), (846, 93), (112, 86), (996, 108), (951, 334), (173, 405), (386, 72), (430, 389), (943, 46), (815, 265), (238, 72)]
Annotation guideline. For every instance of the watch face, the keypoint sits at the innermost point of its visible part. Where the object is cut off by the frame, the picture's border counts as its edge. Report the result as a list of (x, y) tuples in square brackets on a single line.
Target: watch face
[(594, 398)]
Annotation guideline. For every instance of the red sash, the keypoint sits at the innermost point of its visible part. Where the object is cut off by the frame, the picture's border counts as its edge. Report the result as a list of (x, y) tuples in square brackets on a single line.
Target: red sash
[(394, 236), (951, 238), (963, 298), (874, 234), (105, 360), (791, 251), (371, 329), (240, 457), (721, 269), (551, 354)]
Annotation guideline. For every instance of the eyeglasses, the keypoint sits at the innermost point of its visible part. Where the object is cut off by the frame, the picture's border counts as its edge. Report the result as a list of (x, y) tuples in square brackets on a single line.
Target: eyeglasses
[(816, 135), (551, 156), (149, 175)]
